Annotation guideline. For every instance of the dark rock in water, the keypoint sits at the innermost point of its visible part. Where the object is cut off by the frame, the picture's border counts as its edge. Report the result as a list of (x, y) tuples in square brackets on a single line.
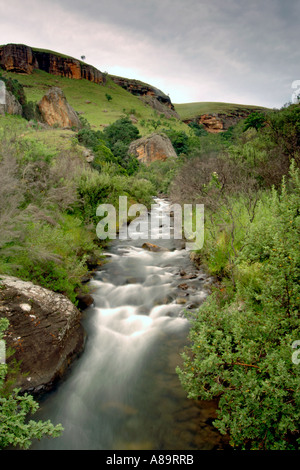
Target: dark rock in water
[(190, 276), (84, 301), (191, 306), (154, 248), (44, 331), (183, 286)]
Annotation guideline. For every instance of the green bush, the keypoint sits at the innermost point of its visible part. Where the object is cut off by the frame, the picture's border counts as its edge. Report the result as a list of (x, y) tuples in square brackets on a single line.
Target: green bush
[(241, 350), (121, 130), (53, 255), (256, 120), (89, 138)]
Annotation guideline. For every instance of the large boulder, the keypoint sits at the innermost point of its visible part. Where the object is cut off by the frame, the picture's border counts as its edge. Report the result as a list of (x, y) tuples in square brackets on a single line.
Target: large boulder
[(55, 110), (8, 103), (44, 331), (151, 148)]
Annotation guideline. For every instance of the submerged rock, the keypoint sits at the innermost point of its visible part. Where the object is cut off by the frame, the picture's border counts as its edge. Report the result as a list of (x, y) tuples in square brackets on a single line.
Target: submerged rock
[(44, 331), (152, 247)]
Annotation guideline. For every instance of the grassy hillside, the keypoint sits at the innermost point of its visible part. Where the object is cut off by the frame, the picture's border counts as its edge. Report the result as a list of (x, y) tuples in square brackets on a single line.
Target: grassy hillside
[(190, 110), (90, 100)]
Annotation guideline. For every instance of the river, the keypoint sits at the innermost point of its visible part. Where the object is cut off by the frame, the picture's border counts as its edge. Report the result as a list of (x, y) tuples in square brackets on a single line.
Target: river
[(123, 393)]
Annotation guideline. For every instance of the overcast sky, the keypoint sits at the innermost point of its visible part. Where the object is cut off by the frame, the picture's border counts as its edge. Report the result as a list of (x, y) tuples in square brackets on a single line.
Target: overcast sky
[(239, 51)]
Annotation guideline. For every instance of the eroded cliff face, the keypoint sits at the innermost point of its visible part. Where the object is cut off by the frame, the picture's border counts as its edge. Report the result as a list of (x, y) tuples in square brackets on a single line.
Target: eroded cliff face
[(149, 94), (20, 58), (220, 122), (17, 58)]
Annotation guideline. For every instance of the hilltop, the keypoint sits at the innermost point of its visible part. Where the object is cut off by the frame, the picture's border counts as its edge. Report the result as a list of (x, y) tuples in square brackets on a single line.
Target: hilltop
[(102, 98), (215, 116), (99, 97)]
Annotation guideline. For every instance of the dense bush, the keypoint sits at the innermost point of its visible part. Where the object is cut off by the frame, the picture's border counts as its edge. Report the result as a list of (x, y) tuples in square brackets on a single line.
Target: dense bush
[(112, 145), (240, 342), (241, 351)]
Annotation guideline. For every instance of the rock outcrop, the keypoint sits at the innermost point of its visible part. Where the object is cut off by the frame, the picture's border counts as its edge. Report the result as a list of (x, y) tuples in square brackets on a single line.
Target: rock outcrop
[(44, 331), (69, 67), (220, 122), (17, 58), (160, 106), (55, 110), (211, 123), (149, 95), (138, 88), (151, 148), (20, 58)]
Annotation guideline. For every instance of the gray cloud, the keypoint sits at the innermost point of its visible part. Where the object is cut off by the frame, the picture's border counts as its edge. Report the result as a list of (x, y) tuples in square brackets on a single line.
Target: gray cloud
[(195, 50)]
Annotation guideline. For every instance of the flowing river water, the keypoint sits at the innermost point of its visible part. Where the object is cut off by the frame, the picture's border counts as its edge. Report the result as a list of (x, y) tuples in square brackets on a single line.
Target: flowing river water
[(123, 393)]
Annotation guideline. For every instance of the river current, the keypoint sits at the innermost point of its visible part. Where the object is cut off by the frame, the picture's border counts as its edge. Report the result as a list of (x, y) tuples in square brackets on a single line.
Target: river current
[(123, 392)]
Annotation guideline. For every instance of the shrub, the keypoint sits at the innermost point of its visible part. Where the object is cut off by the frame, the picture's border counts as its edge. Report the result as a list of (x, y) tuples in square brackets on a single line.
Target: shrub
[(241, 350), (256, 120), (121, 130)]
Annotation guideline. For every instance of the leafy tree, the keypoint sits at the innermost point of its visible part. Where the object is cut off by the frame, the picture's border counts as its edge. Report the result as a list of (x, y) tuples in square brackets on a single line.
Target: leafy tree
[(256, 120), (121, 130), (284, 132), (179, 139), (89, 138), (118, 136)]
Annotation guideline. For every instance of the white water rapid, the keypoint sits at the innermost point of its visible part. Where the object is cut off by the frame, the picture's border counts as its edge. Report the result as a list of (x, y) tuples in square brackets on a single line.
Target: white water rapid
[(123, 393)]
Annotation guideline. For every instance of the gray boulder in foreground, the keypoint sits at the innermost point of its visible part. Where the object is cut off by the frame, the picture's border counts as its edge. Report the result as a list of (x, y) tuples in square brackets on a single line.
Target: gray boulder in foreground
[(44, 331)]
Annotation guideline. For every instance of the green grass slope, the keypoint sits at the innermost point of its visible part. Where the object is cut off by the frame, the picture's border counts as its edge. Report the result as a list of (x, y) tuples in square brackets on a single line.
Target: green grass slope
[(90, 100), (191, 110)]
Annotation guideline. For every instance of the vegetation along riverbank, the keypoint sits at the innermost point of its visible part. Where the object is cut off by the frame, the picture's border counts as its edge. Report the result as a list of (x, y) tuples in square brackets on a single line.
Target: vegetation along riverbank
[(242, 163)]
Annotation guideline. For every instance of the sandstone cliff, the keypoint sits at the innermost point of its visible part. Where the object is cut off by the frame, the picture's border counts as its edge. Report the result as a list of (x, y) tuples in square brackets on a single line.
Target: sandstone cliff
[(20, 58), (149, 94), (151, 148), (44, 331), (220, 122)]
